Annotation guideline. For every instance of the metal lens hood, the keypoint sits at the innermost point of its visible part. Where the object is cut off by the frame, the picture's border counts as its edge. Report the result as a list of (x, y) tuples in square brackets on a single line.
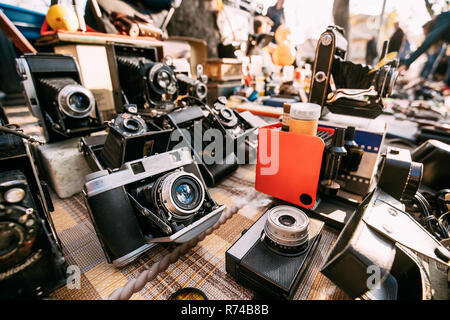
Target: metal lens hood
[(287, 227), (66, 105)]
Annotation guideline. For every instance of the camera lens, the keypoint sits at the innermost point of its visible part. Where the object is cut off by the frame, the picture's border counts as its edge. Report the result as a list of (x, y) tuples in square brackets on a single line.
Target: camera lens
[(180, 193), (227, 117), (14, 195), (200, 91), (79, 101), (286, 220), (163, 79), (227, 114), (9, 239), (131, 125), (185, 194), (286, 230), (414, 179), (76, 101)]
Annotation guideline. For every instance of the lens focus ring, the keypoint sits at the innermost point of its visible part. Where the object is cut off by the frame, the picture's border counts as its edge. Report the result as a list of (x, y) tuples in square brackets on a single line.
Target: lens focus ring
[(287, 226), (182, 194), (76, 101)]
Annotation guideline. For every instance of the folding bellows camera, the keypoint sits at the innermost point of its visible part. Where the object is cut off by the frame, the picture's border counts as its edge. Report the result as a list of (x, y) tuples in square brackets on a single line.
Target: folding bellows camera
[(31, 261), (161, 198), (55, 95), (345, 87)]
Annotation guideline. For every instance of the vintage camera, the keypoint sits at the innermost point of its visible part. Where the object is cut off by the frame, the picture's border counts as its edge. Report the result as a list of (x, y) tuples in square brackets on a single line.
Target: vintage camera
[(191, 87), (272, 256), (161, 198), (130, 137), (241, 127), (379, 255), (345, 87), (31, 261), (399, 176), (55, 96), (152, 86), (381, 238), (215, 154)]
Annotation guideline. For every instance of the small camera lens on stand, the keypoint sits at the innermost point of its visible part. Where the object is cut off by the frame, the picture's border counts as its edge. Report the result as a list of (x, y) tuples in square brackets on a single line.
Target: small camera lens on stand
[(286, 230)]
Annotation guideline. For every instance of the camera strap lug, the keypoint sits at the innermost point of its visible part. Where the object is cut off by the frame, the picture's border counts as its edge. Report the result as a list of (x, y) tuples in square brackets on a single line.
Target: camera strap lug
[(399, 227)]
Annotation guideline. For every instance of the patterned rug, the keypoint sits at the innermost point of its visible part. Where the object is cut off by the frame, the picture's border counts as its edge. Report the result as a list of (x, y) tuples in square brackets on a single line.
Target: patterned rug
[(203, 266)]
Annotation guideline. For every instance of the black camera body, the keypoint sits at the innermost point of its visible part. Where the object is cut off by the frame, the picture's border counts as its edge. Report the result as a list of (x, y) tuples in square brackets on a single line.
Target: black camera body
[(272, 256), (130, 137), (55, 95), (241, 127), (190, 126), (150, 85), (345, 87), (383, 252), (161, 198), (31, 261), (399, 176)]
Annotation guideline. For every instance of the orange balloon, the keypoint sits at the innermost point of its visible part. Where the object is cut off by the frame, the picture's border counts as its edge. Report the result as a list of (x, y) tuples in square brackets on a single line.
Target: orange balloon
[(282, 33), (284, 54)]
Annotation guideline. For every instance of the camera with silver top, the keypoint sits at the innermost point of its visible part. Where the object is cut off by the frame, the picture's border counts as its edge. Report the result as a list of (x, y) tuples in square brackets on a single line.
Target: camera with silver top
[(161, 198), (272, 256), (55, 95)]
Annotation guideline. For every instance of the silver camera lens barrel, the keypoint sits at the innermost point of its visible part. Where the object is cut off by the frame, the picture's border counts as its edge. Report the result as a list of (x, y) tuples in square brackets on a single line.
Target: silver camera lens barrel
[(173, 205), (76, 108), (287, 226), (200, 90)]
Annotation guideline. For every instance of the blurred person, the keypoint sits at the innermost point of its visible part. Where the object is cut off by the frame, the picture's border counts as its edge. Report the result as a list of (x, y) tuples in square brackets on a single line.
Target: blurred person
[(405, 49), (371, 51), (437, 30), (276, 14), (396, 40)]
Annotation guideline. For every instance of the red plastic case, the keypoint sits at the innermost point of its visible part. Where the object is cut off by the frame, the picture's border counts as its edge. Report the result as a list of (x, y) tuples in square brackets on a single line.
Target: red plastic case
[(288, 165)]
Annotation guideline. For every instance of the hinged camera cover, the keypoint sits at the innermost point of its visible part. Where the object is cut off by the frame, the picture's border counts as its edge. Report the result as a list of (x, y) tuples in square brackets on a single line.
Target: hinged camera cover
[(381, 239)]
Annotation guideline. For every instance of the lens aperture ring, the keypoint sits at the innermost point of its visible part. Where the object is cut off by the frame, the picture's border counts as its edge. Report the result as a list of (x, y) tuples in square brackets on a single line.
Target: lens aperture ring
[(287, 228), (181, 194)]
